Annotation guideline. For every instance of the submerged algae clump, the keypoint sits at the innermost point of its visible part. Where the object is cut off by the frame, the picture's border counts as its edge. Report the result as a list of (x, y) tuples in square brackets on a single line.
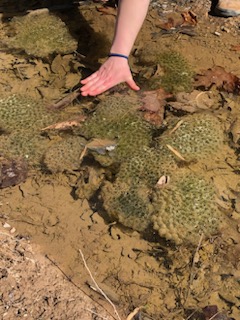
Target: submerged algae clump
[(183, 209), (143, 167), (118, 120), (186, 209), (21, 121), (21, 112), (64, 155), (176, 74), (128, 203), (41, 35), (198, 137)]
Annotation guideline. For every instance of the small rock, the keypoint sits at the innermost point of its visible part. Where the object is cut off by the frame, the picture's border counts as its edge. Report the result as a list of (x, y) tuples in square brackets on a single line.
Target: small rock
[(12, 230), (6, 225), (12, 172)]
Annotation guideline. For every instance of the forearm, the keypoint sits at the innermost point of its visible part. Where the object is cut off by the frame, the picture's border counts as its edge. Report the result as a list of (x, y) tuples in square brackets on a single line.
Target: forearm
[(131, 14)]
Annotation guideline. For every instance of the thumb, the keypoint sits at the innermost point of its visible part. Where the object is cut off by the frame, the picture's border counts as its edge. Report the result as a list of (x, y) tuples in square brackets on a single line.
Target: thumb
[(132, 84)]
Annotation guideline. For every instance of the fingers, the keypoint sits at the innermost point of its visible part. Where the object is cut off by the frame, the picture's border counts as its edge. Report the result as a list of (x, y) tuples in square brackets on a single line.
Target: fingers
[(96, 85), (111, 73), (132, 85), (90, 78)]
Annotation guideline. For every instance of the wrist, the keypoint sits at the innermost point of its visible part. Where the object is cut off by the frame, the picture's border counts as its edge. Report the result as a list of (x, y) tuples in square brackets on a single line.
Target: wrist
[(118, 55)]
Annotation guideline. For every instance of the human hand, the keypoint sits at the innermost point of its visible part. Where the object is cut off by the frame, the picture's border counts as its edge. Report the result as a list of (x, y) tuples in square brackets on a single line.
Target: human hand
[(114, 71)]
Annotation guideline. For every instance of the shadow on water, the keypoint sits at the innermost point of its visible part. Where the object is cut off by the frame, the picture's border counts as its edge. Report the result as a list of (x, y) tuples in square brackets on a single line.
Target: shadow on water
[(69, 11)]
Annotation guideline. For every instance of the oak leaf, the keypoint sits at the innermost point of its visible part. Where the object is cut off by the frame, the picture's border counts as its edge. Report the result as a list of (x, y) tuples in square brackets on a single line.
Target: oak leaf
[(154, 105), (218, 76), (193, 101)]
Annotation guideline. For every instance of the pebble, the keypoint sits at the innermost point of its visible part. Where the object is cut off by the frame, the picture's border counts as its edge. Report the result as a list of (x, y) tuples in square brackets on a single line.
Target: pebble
[(6, 225), (12, 230), (223, 28)]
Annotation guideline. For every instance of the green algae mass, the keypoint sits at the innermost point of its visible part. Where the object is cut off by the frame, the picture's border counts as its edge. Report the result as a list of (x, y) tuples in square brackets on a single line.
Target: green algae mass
[(129, 203), (183, 209), (21, 112), (21, 121), (41, 35), (64, 155), (198, 137), (177, 74), (118, 120), (143, 167), (186, 209)]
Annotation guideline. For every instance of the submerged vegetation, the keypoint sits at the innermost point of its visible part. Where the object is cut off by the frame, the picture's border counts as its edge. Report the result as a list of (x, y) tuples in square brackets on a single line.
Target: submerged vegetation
[(41, 35)]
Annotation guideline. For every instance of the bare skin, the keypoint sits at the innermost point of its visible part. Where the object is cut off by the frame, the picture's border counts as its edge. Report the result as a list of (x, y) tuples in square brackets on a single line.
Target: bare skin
[(116, 69)]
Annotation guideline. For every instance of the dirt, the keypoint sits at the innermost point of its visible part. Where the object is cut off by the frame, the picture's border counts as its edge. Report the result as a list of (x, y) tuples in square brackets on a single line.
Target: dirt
[(54, 245)]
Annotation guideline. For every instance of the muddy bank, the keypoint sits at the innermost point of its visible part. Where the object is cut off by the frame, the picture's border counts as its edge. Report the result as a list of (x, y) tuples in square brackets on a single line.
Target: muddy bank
[(52, 209)]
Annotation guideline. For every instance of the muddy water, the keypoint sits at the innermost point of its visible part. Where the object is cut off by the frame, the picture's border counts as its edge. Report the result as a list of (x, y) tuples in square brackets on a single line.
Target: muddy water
[(168, 281)]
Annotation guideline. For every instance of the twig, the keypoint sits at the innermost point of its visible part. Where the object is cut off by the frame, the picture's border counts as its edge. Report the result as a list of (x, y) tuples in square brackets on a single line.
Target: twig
[(97, 286), (63, 103), (75, 285), (95, 313), (214, 316), (192, 266), (190, 316), (177, 153), (133, 313), (176, 126)]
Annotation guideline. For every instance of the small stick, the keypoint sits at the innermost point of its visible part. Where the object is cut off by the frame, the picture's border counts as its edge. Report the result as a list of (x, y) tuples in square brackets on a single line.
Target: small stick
[(133, 313), (192, 266), (214, 316), (96, 314), (63, 103), (97, 286), (176, 126), (177, 153)]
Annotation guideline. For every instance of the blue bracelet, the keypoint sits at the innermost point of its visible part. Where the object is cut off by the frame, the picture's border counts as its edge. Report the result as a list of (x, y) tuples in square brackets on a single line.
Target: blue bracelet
[(118, 55)]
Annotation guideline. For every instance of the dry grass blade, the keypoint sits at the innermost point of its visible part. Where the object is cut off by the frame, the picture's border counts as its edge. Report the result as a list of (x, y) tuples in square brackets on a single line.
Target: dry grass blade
[(132, 314), (176, 126), (177, 153), (97, 286)]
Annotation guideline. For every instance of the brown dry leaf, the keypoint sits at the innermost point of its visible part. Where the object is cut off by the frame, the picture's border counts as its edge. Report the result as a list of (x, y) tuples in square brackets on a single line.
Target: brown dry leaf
[(72, 79), (212, 312), (220, 77), (66, 124), (191, 102), (60, 66), (175, 21), (170, 24), (154, 105), (49, 93), (189, 18), (235, 130)]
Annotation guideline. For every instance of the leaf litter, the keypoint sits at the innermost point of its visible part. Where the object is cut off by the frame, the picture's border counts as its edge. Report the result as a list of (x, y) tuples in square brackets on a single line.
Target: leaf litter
[(219, 77)]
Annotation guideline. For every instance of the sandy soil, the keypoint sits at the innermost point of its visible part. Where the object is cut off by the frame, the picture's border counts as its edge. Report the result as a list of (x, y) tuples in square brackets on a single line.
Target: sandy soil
[(45, 228)]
